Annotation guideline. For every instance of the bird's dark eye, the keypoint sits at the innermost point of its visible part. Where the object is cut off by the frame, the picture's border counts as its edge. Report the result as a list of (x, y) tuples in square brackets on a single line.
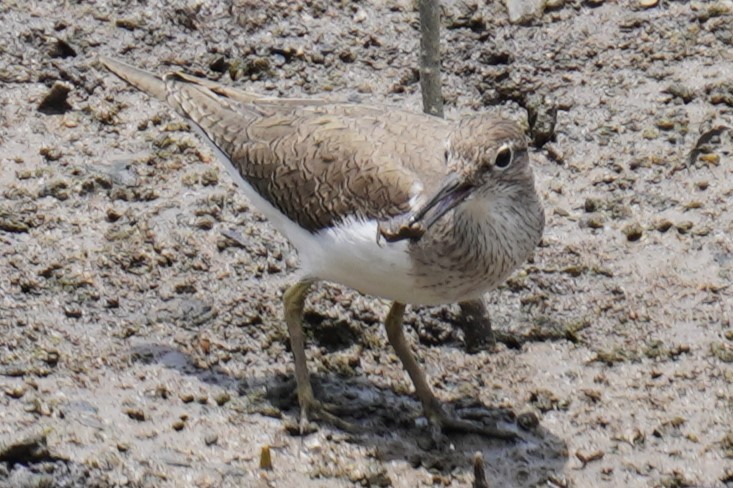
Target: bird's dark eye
[(504, 157)]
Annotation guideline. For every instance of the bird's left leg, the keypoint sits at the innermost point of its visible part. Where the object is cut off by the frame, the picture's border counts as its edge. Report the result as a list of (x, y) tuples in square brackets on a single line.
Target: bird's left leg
[(294, 302)]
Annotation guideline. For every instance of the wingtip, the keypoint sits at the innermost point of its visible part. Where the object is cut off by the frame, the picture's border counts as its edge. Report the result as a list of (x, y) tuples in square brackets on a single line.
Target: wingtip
[(115, 66), (140, 79)]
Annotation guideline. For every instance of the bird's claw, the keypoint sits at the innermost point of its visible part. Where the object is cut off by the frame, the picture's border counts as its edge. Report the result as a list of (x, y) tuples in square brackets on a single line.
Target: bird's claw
[(398, 230), (312, 409), (443, 422)]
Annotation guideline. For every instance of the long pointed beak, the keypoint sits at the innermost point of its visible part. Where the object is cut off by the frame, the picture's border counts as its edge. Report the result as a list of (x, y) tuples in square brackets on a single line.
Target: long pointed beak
[(453, 192)]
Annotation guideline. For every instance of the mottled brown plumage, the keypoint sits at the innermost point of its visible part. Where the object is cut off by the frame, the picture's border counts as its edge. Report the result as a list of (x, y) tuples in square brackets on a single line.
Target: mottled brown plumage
[(395, 204)]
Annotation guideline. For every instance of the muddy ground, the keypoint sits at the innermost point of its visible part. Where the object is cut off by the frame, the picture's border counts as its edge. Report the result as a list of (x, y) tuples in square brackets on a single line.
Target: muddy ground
[(142, 346)]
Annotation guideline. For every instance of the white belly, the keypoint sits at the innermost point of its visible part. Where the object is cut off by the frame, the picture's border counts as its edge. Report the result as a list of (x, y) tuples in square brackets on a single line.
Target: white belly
[(347, 254)]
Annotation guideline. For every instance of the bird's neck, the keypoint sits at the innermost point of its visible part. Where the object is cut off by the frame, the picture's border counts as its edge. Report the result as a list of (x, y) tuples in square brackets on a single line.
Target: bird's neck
[(504, 231)]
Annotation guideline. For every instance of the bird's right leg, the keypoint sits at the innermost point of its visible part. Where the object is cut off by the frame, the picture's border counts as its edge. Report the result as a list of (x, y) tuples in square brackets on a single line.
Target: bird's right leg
[(432, 407), (294, 301)]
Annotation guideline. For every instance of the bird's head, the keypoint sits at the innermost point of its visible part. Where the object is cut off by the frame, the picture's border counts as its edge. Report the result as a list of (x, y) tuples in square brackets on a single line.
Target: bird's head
[(487, 160)]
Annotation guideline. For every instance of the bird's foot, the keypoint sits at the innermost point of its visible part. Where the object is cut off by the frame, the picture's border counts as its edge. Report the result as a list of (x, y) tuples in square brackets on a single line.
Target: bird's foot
[(312, 409)]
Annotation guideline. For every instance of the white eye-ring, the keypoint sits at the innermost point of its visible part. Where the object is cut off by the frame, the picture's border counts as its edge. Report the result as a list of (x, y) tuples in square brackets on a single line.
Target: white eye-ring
[(504, 156)]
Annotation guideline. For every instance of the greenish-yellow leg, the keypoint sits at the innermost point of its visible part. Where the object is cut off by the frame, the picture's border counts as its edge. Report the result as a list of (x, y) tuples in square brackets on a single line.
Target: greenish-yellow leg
[(294, 301), (431, 405)]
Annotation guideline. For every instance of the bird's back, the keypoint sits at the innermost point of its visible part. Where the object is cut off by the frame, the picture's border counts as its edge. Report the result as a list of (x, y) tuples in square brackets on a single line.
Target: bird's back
[(315, 161)]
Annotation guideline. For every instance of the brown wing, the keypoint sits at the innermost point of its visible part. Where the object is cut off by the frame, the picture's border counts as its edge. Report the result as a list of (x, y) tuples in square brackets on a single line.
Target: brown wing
[(320, 165), (315, 161)]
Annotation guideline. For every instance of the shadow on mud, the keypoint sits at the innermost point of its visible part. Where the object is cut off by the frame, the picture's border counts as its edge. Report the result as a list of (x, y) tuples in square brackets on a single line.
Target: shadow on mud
[(26, 460), (390, 422)]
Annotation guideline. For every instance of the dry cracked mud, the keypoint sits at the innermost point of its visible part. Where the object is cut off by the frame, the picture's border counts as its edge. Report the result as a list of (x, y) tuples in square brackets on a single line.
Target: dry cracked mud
[(141, 335)]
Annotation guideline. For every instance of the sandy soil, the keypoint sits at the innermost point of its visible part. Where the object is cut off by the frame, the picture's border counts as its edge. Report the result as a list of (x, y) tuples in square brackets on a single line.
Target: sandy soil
[(141, 346)]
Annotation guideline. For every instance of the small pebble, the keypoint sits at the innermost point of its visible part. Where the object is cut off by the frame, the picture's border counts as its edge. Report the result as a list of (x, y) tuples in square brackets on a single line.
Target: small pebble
[(663, 225), (73, 312), (364, 88), (712, 159), (15, 392), (665, 124), (347, 56), (205, 223), (587, 457), (684, 227), (186, 397), (633, 231), (528, 420), (591, 205), (135, 414), (222, 398), (595, 222), (650, 133), (50, 153)]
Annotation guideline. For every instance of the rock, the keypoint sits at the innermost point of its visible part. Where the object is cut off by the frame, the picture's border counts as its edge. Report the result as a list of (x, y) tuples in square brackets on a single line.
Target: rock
[(680, 91), (592, 205), (648, 3), (524, 11), (665, 124), (61, 49), (633, 231), (479, 472), (684, 227), (663, 225), (528, 420), (135, 414), (347, 56), (50, 153), (458, 14), (595, 222), (542, 117), (56, 100), (222, 398), (650, 133)]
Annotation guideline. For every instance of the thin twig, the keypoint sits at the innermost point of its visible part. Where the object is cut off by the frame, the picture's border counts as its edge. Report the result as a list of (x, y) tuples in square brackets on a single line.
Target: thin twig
[(432, 97)]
